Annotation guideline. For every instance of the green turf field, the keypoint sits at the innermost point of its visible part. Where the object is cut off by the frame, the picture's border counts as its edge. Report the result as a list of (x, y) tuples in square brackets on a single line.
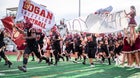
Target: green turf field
[(66, 70)]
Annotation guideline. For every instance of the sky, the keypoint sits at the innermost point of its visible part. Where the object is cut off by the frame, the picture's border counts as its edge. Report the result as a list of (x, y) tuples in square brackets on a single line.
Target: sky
[(69, 9)]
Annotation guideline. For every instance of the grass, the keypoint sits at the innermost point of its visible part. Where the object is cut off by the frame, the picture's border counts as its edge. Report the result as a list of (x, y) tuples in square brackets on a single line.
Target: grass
[(66, 70)]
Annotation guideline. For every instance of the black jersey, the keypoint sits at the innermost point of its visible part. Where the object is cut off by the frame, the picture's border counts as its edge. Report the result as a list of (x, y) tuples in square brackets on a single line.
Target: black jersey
[(31, 42), (69, 42), (111, 47), (77, 42), (100, 49), (118, 50), (40, 41), (1, 36), (55, 40), (94, 40), (1, 39), (105, 48)]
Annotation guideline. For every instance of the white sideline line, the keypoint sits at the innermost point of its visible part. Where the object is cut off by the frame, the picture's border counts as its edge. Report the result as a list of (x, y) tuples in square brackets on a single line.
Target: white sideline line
[(9, 70), (18, 69)]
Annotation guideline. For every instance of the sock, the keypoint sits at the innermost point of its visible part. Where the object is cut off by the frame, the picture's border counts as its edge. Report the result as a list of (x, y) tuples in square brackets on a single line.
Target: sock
[(47, 60), (84, 58), (103, 59), (109, 61), (44, 58), (92, 64), (75, 59), (67, 58), (24, 66), (25, 60), (51, 55)]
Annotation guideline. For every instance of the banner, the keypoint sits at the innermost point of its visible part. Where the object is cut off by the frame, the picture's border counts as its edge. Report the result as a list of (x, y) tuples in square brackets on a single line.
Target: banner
[(37, 14), (77, 25), (109, 23), (95, 23)]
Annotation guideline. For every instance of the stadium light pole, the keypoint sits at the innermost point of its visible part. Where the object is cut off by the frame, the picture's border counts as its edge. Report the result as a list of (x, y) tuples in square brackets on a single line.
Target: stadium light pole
[(79, 8)]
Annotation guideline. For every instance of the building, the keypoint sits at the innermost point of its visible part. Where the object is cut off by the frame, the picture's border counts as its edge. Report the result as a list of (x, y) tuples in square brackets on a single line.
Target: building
[(11, 11)]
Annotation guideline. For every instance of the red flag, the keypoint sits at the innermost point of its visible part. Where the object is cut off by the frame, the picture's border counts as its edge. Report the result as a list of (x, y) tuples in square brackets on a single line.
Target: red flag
[(17, 36), (8, 23), (19, 40)]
